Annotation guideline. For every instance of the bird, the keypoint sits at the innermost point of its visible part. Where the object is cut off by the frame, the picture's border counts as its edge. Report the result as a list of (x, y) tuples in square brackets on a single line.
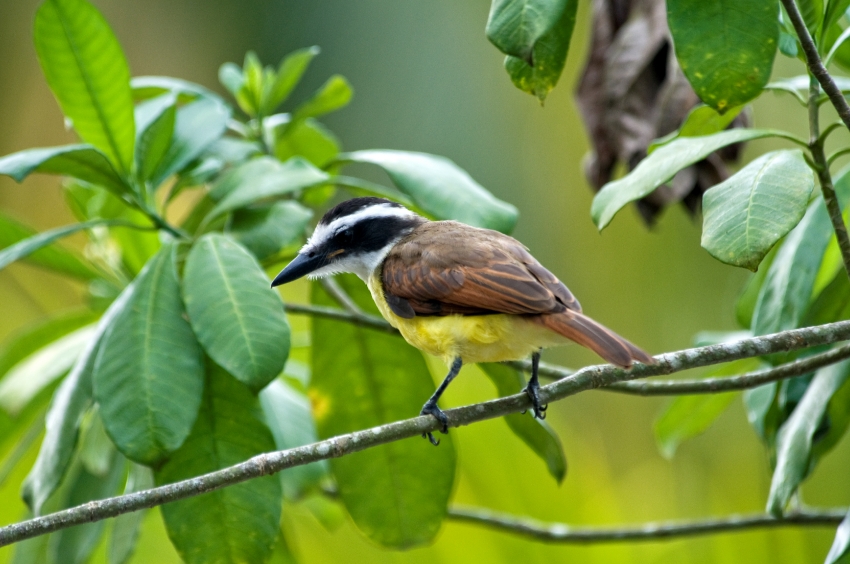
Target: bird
[(458, 292)]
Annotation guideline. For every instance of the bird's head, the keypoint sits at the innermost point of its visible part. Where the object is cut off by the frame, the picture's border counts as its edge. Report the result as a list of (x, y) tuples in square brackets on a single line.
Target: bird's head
[(353, 236)]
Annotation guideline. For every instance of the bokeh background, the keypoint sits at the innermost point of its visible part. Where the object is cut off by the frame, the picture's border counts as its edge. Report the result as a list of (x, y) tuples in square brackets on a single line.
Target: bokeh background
[(426, 79)]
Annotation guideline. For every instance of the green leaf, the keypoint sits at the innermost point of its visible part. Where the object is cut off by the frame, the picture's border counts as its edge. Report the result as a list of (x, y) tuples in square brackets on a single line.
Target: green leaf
[(96, 450), (834, 10), (196, 126), (725, 48), (537, 434), (363, 378), (237, 317), (784, 296), (812, 12), (146, 87), (266, 230), (23, 249), (308, 139), (80, 161), (535, 34), (235, 524), (24, 381), (701, 120), (841, 545), (63, 419), (762, 411), (87, 72), (440, 187), (331, 96), (745, 215), (799, 87), (76, 544), (53, 257), (230, 76), (745, 305), (794, 443), (289, 416), (289, 74), (125, 529), (832, 304), (251, 92), (688, 416), (155, 119), (788, 45), (149, 371), (260, 179), (661, 166)]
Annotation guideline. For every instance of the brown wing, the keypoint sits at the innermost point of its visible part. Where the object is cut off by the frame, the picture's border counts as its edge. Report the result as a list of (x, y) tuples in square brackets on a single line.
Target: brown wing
[(445, 267)]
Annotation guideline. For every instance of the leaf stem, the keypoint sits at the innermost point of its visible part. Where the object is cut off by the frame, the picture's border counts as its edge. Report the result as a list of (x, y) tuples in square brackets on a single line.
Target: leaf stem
[(588, 378), (830, 199), (564, 533)]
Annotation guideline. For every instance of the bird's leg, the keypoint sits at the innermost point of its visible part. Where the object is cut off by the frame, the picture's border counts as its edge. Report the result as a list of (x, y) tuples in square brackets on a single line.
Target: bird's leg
[(430, 407), (533, 387)]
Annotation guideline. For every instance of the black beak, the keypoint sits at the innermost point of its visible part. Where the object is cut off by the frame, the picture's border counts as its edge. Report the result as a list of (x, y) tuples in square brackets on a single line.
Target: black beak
[(301, 265)]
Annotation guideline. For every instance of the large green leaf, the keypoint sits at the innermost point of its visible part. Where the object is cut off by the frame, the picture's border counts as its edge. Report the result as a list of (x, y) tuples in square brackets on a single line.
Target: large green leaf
[(762, 411), (289, 73), (363, 378), (149, 371), (290, 419), (688, 416), (535, 34), (89, 76), (155, 127), (725, 47), (261, 179), (239, 523), (237, 317), (53, 257), (147, 87), (30, 376), (440, 187), (661, 166), (80, 161), (307, 138), (62, 422), (784, 296), (196, 126), (745, 305), (841, 545), (744, 216), (795, 440), (537, 434), (266, 230), (26, 247)]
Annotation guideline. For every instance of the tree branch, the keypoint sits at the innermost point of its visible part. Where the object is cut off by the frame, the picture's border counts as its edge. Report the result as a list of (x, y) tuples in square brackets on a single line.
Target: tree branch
[(815, 64), (270, 463), (562, 533)]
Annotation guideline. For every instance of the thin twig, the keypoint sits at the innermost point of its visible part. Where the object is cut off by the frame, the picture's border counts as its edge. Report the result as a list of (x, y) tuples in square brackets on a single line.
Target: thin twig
[(821, 167), (563, 533), (362, 319), (587, 378), (731, 383), (815, 64), (337, 293)]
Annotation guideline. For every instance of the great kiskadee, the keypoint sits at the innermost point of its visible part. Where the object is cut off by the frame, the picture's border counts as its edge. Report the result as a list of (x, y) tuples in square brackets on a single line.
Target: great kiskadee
[(454, 291)]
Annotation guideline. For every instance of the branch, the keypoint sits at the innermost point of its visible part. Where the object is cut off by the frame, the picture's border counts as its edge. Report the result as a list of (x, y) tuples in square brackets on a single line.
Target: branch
[(270, 463), (647, 388), (732, 383), (815, 64), (833, 207), (562, 533)]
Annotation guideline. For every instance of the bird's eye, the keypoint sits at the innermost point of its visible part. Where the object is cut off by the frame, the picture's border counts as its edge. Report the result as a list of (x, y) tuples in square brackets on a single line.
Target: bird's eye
[(311, 254)]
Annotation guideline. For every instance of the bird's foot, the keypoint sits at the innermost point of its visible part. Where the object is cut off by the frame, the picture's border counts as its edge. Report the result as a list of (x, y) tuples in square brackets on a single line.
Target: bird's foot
[(533, 391), (431, 409)]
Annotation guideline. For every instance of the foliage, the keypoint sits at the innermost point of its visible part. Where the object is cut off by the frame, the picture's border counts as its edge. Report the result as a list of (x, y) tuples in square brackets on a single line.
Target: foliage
[(178, 366)]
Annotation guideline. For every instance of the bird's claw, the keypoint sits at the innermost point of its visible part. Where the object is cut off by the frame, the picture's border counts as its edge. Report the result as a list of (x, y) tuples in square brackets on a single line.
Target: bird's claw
[(432, 409), (534, 395)]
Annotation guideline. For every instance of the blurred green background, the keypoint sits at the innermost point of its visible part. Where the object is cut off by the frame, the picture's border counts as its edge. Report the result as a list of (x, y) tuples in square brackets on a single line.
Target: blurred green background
[(426, 79)]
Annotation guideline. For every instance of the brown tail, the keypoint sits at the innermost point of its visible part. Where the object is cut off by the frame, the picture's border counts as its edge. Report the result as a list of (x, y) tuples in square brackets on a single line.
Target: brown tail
[(601, 340)]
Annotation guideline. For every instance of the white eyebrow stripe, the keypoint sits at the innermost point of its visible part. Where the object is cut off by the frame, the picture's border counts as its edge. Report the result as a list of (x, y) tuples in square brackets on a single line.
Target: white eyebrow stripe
[(324, 232)]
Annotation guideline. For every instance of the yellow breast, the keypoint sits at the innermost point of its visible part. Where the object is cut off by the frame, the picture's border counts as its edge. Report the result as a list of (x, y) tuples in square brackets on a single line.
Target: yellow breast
[(474, 338)]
